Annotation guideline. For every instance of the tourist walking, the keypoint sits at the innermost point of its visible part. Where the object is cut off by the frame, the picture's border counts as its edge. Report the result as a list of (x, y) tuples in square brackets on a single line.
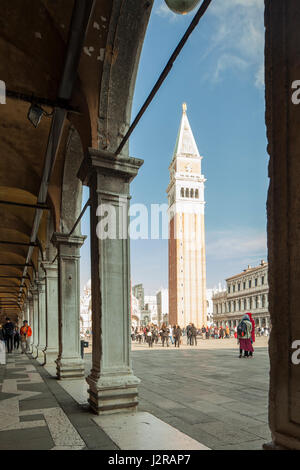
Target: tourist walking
[(16, 338), (164, 335), (244, 331), (189, 334), (149, 338), (25, 334), (194, 335), (155, 335), (203, 331), (177, 335), (9, 329), (171, 334)]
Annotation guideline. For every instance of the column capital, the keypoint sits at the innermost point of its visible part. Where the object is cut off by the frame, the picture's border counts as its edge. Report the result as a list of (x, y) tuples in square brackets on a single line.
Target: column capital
[(50, 268), (65, 239), (40, 283), (109, 164), (34, 292)]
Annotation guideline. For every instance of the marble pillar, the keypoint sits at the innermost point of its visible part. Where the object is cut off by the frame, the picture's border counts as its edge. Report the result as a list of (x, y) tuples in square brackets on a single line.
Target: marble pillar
[(69, 362), (112, 384), (35, 328), (51, 349), (41, 284), (30, 319)]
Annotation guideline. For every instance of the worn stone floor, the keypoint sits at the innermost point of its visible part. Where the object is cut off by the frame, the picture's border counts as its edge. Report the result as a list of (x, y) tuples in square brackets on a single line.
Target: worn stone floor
[(208, 392), (37, 414), (205, 392)]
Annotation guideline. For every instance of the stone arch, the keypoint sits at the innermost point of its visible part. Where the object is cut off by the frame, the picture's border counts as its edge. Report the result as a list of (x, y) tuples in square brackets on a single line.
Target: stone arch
[(124, 45), (71, 192)]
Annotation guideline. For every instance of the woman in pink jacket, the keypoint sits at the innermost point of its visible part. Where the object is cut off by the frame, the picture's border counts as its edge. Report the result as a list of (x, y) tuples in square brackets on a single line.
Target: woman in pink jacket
[(252, 332)]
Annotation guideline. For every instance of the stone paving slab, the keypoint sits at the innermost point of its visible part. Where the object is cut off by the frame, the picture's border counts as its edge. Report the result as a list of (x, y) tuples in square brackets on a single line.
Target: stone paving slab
[(37, 414), (230, 394), (26, 439), (144, 431)]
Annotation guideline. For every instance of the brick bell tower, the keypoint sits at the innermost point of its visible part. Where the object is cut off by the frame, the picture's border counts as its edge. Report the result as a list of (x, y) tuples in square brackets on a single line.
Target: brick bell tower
[(187, 259)]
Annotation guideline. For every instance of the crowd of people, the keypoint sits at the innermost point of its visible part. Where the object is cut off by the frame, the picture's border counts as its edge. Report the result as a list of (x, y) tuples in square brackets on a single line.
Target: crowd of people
[(166, 335), (13, 336)]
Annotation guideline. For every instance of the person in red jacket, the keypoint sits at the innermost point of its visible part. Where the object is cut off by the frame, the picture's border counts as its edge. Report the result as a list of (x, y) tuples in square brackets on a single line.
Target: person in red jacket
[(25, 333), (252, 332)]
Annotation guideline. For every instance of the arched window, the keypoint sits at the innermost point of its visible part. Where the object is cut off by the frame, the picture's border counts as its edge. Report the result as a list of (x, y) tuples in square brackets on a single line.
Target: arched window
[(182, 192), (192, 193), (187, 192), (197, 193)]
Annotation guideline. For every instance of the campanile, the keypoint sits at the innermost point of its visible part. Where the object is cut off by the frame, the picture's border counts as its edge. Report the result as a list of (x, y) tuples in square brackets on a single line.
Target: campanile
[(187, 260)]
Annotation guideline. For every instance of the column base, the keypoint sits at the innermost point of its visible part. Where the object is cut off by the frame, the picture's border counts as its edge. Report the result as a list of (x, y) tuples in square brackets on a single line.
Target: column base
[(51, 356), (40, 355), (113, 394), (272, 446), (70, 368), (283, 442)]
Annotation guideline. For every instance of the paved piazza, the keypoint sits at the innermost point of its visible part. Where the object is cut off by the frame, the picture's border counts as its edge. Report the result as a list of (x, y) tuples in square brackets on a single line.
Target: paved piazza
[(208, 392)]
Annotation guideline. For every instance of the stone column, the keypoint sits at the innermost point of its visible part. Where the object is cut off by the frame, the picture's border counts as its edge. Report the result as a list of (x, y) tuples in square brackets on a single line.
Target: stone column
[(112, 384), (30, 319), (283, 123), (35, 329), (42, 320), (69, 362), (51, 349)]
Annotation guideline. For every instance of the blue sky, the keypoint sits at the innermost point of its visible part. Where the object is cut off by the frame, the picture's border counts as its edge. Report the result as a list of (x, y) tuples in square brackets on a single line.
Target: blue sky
[(219, 74)]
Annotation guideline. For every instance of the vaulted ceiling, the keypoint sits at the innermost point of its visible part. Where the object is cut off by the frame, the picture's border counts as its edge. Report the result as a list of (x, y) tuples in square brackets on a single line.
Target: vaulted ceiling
[(35, 53)]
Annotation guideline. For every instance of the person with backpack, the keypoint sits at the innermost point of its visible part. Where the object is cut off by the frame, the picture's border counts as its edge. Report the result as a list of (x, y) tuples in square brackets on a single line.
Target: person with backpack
[(244, 331)]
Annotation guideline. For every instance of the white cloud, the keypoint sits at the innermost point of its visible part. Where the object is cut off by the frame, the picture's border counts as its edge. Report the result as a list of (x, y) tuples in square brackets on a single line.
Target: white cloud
[(228, 61), (238, 32), (243, 245), (236, 38)]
